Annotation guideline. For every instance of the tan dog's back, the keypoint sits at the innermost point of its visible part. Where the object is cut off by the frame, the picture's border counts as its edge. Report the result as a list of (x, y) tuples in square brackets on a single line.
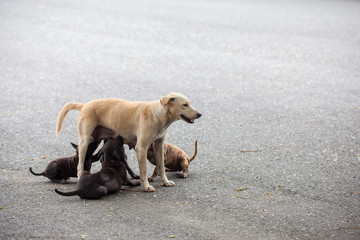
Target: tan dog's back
[(115, 114), (120, 116)]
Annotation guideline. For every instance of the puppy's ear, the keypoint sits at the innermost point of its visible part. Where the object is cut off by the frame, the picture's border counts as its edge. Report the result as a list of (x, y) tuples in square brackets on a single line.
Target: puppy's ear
[(74, 145), (166, 100)]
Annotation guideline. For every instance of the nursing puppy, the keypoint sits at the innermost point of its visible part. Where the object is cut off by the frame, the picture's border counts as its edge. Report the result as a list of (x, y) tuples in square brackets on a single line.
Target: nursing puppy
[(111, 176), (105, 134), (139, 123), (175, 160), (61, 169)]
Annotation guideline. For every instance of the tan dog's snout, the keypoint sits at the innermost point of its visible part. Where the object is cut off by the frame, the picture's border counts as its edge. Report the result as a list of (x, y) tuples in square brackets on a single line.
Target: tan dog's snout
[(190, 115), (198, 115)]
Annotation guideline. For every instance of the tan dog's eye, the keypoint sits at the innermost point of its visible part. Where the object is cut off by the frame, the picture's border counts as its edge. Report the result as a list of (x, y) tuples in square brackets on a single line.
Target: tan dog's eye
[(185, 105)]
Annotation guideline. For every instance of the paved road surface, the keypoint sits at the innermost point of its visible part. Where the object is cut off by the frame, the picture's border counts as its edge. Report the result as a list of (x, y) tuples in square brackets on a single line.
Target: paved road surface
[(277, 83)]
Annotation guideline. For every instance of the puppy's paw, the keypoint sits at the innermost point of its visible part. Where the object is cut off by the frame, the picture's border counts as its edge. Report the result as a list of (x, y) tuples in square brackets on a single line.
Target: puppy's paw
[(185, 175), (168, 184), (152, 178), (66, 180), (135, 176), (134, 183), (149, 188), (61, 181)]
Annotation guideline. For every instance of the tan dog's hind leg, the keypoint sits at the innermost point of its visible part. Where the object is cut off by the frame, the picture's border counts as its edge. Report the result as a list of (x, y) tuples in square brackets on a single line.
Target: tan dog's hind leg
[(159, 157), (84, 132), (83, 145)]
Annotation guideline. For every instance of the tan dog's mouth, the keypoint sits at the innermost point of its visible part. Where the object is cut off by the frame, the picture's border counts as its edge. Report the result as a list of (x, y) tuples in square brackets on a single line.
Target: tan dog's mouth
[(186, 119)]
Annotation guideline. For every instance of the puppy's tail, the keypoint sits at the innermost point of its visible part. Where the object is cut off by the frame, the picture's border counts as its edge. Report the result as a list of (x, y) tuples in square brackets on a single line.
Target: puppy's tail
[(73, 193), (64, 111), (37, 174), (194, 155)]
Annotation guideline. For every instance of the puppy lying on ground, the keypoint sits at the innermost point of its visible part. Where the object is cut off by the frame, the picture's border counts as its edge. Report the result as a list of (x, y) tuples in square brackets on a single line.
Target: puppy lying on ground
[(61, 169), (175, 160), (111, 176)]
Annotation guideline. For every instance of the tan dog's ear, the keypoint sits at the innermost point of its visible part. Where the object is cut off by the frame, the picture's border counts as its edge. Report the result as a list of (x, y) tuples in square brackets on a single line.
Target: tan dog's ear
[(166, 100)]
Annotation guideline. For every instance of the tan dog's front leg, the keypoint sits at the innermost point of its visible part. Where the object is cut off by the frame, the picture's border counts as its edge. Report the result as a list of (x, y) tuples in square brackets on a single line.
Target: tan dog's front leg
[(141, 153), (159, 157)]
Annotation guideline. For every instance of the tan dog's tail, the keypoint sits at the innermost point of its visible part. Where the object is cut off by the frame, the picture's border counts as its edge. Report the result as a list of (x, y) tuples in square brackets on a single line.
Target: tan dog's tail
[(194, 155), (64, 111)]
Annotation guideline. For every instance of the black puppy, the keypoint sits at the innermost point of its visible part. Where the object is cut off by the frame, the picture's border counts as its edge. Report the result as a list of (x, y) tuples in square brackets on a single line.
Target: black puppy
[(99, 155), (59, 170), (111, 176)]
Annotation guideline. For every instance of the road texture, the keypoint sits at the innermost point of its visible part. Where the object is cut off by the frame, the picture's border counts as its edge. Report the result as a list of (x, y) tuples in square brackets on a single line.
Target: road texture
[(277, 82)]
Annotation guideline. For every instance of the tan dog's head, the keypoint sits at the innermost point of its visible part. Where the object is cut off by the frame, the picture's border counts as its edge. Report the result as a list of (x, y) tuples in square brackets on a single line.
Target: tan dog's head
[(180, 107)]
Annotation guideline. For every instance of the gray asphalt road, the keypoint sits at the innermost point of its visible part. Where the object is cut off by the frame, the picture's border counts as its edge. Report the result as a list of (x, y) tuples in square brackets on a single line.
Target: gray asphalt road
[(277, 83)]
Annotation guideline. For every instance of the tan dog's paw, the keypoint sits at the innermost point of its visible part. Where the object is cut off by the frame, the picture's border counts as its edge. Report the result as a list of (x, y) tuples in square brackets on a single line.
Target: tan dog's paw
[(168, 184), (149, 188)]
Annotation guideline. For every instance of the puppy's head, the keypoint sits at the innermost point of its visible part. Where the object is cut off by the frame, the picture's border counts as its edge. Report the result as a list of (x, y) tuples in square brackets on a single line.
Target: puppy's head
[(113, 149), (90, 150), (180, 107), (184, 163)]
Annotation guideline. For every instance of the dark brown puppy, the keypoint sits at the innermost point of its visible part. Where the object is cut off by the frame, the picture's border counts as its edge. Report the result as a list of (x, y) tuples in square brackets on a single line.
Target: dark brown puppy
[(111, 176), (61, 169), (175, 160), (102, 133)]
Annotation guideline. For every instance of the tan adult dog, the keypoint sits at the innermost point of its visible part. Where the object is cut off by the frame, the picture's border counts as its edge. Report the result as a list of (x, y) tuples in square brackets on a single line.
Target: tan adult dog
[(139, 123)]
